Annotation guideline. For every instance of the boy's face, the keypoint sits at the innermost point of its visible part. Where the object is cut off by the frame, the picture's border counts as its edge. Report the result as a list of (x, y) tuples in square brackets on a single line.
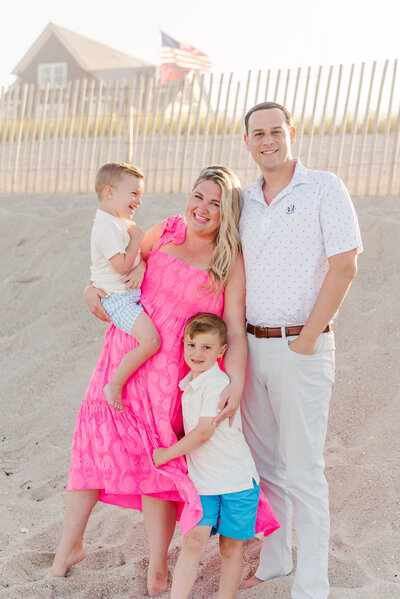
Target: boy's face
[(202, 351), (125, 196)]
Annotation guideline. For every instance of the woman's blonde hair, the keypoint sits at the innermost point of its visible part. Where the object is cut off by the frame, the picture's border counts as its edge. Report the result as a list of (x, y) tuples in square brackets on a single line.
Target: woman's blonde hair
[(227, 241)]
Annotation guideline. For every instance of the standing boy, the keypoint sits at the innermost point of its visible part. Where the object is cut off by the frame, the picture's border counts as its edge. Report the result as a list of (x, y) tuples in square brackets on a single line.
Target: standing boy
[(219, 462)]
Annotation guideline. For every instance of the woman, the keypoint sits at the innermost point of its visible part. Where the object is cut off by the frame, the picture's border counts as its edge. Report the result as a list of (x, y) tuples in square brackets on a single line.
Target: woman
[(193, 264)]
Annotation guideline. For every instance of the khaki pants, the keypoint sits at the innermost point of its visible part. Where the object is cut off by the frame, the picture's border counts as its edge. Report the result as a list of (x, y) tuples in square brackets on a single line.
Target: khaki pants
[(285, 413)]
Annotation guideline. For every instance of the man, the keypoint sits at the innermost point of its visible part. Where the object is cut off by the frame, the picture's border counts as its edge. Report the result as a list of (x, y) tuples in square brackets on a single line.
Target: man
[(300, 241)]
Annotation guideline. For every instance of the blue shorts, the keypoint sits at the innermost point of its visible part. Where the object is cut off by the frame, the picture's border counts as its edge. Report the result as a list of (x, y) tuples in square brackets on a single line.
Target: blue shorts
[(123, 308), (233, 515)]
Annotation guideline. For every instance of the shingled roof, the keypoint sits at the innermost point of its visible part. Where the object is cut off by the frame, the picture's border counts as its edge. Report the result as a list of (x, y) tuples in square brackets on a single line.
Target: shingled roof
[(92, 56)]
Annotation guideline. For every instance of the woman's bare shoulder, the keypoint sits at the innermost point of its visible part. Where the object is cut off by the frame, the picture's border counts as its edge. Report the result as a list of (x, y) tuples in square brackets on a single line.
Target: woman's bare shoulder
[(150, 239), (155, 231)]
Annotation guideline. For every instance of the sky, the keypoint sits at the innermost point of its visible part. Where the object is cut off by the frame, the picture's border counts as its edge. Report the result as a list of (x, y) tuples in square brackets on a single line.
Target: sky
[(237, 35)]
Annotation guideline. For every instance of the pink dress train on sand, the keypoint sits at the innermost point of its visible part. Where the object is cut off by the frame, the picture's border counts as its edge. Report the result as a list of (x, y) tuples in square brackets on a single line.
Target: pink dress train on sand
[(112, 451)]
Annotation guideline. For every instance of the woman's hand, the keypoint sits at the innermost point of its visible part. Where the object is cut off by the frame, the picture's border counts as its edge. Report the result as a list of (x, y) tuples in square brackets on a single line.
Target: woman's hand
[(229, 404), (134, 278), (92, 297)]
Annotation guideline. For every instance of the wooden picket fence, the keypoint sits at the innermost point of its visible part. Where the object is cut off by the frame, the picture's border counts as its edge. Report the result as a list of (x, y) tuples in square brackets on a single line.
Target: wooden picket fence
[(53, 140)]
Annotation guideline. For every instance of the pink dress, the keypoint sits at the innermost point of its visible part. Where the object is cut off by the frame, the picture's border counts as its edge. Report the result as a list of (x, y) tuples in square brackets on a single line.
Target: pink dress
[(112, 451)]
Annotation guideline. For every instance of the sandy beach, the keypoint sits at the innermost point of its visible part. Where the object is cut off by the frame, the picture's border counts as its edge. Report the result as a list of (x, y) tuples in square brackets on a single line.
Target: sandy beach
[(49, 344)]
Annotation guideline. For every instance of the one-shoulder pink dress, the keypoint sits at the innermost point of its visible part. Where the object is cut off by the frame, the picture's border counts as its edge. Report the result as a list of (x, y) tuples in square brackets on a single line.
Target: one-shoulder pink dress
[(111, 450)]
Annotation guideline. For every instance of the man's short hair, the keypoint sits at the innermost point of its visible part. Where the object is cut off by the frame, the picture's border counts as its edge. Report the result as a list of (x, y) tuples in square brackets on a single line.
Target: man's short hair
[(268, 106), (112, 172), (205, 322)]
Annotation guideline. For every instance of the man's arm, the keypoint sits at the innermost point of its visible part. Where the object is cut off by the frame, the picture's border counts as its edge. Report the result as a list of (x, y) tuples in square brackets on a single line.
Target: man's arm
[(198, 436), (342, 270)]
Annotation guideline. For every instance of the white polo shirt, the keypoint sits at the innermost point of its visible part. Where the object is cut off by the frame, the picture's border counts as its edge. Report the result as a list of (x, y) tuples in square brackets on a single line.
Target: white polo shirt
[(286, 244), (109, 237), (224, 463)]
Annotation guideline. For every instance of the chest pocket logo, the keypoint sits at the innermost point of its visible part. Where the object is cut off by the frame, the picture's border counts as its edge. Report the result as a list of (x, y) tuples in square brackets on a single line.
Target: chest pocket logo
[(290, 209)]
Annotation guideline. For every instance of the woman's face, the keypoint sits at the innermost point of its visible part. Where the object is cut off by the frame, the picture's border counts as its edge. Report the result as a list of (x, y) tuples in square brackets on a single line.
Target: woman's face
[(203, 210)]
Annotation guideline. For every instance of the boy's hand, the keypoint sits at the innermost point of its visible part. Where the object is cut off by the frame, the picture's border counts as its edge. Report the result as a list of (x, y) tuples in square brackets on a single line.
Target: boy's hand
[(135, 232), (160, 456), (134, 278)]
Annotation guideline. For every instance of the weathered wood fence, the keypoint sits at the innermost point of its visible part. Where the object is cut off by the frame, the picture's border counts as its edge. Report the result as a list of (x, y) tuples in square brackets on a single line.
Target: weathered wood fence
[(347, 117)]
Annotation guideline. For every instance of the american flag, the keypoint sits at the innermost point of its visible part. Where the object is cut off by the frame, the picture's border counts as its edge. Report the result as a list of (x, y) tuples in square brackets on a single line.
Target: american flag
[(182, 56)]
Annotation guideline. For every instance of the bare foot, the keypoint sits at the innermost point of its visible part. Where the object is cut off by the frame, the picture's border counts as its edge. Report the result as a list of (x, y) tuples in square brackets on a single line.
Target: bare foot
[(251, 582), (157, 581), (61, 564), (113, 393)]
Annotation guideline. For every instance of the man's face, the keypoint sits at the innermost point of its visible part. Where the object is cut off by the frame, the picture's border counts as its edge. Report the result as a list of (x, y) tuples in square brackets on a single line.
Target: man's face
[(269, 139)]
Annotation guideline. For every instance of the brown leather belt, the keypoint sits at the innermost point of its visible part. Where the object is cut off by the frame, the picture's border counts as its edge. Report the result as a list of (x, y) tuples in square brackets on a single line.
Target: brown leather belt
[(267, 332)]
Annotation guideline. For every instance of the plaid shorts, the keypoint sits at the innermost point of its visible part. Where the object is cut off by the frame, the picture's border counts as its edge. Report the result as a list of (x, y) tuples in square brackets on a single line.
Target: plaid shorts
[(123, 308)]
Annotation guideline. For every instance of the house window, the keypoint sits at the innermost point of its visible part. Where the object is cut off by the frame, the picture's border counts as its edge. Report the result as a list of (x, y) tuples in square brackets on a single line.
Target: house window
[(54, 73)]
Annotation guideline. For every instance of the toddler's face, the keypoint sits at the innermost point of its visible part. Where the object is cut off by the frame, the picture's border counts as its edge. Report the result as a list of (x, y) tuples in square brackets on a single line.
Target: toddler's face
[(127, 196), (202, 351)]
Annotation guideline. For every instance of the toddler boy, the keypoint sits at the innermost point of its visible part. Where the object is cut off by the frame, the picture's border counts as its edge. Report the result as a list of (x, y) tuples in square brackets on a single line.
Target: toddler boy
[(115, 242)]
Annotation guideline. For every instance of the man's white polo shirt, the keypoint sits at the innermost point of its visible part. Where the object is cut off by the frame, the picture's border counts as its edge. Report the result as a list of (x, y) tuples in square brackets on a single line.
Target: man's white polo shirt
[(224, 463), (286, 244)]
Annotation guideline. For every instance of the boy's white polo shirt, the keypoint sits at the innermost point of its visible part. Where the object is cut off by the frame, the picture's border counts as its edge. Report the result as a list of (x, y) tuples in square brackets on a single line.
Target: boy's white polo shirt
[(224, 463), (286, 244), (109, 237)]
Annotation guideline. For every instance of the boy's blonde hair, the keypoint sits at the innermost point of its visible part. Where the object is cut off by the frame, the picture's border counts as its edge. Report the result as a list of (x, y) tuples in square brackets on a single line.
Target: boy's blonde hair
[(112, 172), (227, 241), (205, 322)]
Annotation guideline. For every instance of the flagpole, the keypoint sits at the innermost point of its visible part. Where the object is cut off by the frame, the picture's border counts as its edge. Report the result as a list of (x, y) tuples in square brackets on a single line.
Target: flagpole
[(159, 51)]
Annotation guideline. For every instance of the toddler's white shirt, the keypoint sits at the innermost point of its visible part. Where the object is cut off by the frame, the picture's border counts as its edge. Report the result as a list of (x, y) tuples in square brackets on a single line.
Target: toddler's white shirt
[(109, 237)]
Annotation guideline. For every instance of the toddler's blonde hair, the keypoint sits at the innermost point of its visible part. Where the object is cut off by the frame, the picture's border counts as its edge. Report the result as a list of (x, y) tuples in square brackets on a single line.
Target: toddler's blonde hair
[(112, 172)]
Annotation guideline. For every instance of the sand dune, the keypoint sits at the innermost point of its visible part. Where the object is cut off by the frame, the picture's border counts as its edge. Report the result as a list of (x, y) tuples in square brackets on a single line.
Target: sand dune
[(49, 343)]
